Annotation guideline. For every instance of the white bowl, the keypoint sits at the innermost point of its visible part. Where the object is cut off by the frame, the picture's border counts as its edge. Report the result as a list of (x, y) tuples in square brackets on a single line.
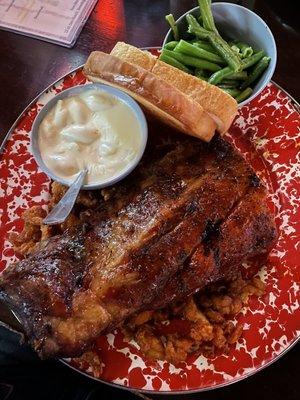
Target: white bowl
[(240, 23), (76, 90)]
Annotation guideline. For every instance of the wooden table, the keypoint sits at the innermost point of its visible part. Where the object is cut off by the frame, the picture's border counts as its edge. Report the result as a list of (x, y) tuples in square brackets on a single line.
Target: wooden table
[(28, 66)]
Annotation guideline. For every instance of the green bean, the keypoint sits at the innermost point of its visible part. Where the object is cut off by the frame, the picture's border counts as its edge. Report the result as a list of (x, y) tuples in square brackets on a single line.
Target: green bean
[(208, 20), (226, 52), (242, 75), (222, 47), (249, 61), (171, 45), (246, 50), (203, 45), (219, 75), (244, 95), (195, 28), (233, 92), (227, 73), (199, 73), (235, 49), (172, 61), (171, 21), (257, 71), (192, 61), (229, 84), (209, 50), (194, 51)]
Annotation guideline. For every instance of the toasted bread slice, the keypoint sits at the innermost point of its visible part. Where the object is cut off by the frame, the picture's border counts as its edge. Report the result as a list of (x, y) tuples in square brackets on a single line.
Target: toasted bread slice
[(220, 105), (132, 54), (157, 95)]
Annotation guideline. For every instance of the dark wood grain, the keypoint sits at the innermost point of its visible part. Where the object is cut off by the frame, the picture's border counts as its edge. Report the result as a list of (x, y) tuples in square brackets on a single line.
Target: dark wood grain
[(28, 65)]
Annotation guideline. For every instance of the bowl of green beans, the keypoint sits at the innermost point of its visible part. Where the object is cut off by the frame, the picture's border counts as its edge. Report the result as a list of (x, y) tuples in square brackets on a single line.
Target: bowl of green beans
[(224, 44)]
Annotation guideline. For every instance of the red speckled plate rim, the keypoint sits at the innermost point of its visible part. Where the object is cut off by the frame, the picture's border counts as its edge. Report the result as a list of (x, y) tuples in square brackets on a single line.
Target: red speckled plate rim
[(170, 392), (184, 391), (11, 130)]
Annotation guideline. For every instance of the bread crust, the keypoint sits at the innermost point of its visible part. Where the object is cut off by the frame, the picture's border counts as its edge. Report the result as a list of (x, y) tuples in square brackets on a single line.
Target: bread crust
[(158, 96), (218, 104), (134, 55)]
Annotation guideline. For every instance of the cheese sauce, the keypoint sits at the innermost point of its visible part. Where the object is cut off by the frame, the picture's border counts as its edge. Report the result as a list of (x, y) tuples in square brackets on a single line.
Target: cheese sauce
[(92, 130)]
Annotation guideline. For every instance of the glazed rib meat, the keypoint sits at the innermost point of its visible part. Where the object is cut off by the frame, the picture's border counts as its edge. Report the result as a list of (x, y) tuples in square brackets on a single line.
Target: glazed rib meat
[(247, 232), (188, 215)]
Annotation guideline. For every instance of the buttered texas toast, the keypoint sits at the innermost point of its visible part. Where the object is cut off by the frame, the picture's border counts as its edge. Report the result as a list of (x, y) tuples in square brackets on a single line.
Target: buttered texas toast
[(159, 96), (218, 104)]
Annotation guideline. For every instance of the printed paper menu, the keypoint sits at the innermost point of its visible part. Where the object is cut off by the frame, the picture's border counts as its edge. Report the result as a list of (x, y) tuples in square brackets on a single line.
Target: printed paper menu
[(58, 21)]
